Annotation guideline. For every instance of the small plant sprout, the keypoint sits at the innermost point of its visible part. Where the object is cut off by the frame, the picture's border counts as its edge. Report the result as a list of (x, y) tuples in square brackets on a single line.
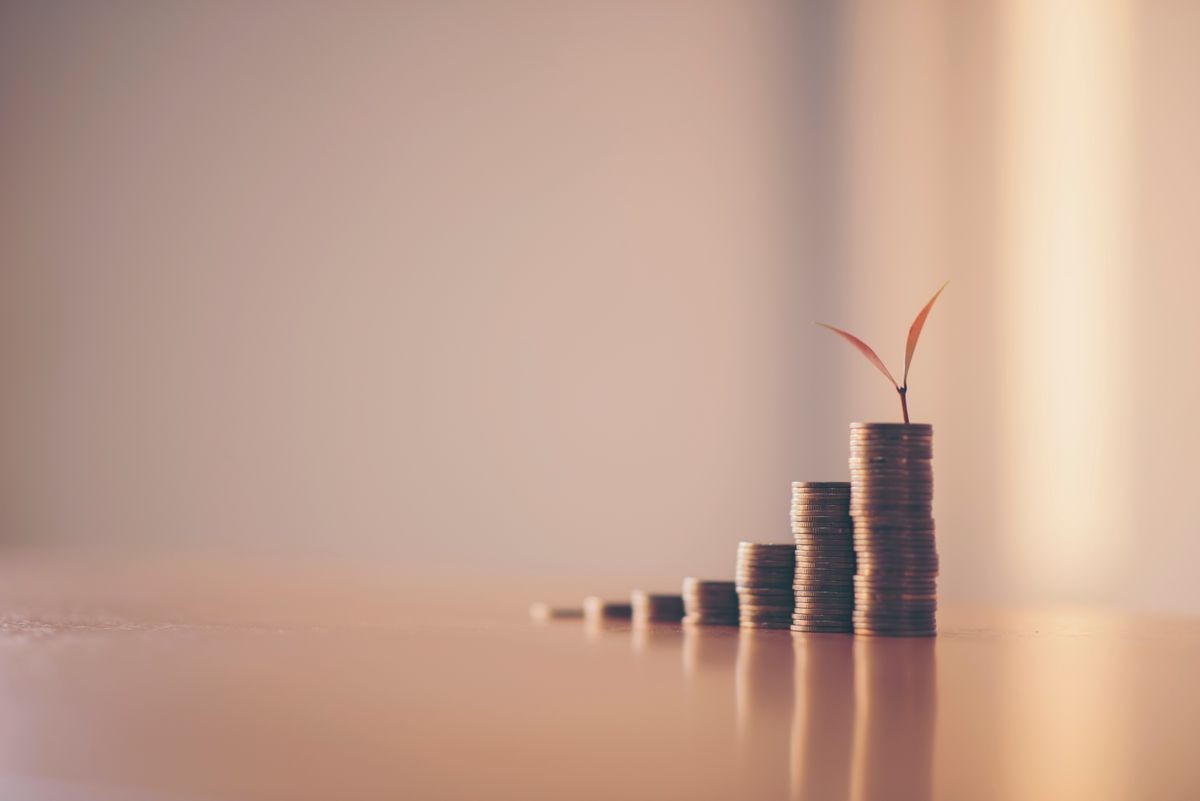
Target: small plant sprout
[(914, 332)]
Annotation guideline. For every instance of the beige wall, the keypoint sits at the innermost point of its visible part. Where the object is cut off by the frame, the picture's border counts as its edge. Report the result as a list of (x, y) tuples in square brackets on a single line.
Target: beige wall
[(528, 287)]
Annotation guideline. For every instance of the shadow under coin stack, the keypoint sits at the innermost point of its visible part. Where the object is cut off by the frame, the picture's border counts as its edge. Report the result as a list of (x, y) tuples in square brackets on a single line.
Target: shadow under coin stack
[(710, 603), (765, 573), (651, 608), (824, 579), (891, 502)]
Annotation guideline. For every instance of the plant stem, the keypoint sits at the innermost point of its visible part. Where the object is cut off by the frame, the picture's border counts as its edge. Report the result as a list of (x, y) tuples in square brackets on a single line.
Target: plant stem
[(904, 401)]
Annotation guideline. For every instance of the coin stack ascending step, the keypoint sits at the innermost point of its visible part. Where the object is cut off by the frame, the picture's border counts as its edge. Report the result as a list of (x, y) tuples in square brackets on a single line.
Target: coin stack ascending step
[(544, 612), (651, 608), (764, 584), (710, 603), (824, 580), (891, 501), (597, 609)]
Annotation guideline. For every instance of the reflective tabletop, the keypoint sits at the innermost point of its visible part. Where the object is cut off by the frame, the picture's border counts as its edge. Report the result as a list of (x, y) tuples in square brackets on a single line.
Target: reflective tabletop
[(156, 684)]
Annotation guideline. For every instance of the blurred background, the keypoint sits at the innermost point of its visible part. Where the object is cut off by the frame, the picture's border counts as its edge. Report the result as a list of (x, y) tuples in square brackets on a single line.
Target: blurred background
[(526, 290)]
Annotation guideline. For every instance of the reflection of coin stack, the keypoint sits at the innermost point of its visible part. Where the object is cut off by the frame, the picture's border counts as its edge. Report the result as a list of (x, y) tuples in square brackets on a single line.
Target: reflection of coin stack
[(765, 573), (763, 686), (823, 720), (891, 501), (824, 582), (652, 608), (895, 719), (710, 603)]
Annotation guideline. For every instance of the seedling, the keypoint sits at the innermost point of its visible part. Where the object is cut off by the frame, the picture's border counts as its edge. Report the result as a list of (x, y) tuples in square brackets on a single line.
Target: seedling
[(914, 332)]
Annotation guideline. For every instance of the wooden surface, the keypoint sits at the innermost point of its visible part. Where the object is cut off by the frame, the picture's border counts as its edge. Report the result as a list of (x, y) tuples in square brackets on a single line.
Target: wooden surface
[(244, 684)]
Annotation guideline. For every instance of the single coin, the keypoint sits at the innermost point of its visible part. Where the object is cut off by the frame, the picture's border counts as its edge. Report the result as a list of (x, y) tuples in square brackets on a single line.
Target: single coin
[(818, 573), (899, 601), (872, 574), (909, 581), (804, 629), (773, 595), (911, 547), (913, 624), (831, 612), (832, 589), (870, 557)]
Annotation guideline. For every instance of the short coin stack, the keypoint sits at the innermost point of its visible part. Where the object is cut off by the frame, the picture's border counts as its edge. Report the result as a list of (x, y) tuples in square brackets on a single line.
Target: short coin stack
[(891, 472), (764, 584), (652, 608), (543, 612), (597, 609), (824, 579), (710, 603)]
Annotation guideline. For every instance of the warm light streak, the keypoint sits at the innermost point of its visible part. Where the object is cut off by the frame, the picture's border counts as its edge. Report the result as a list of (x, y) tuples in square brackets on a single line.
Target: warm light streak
[(1065, 279)]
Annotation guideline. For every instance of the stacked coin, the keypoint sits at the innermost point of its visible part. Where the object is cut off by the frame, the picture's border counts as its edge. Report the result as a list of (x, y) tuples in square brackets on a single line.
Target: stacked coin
[(596, 608), (824, 580), (651, 608), (543, 612), (891, 501), (710, 603), (764, 584)]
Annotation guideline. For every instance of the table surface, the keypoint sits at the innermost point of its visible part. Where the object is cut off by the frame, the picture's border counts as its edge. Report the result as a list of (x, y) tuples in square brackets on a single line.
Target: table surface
[(232, 685)]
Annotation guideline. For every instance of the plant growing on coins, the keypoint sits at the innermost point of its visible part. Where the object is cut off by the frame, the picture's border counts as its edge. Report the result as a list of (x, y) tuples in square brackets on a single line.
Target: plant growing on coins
[(914, 332)]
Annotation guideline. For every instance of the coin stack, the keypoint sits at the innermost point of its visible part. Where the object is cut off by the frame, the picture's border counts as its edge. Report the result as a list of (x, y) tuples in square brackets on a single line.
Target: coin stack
[(596, 608), (824, 581), (651, 608), (543, 612), (710, 603), (891, 501), (765, 572)]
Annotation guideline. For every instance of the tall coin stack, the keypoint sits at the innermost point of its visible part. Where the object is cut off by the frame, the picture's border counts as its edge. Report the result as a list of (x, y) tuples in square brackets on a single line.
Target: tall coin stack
[(651, 608), (710, 603), (764, 584), (824, 579), (891, 497)]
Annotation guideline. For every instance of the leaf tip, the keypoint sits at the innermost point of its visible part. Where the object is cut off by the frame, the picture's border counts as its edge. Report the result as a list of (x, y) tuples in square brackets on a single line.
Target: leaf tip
[(914, 332)]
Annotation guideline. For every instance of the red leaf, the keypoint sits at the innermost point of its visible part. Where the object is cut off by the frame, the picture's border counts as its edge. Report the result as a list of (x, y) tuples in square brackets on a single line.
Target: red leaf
[(915, 332), (864, 349)]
